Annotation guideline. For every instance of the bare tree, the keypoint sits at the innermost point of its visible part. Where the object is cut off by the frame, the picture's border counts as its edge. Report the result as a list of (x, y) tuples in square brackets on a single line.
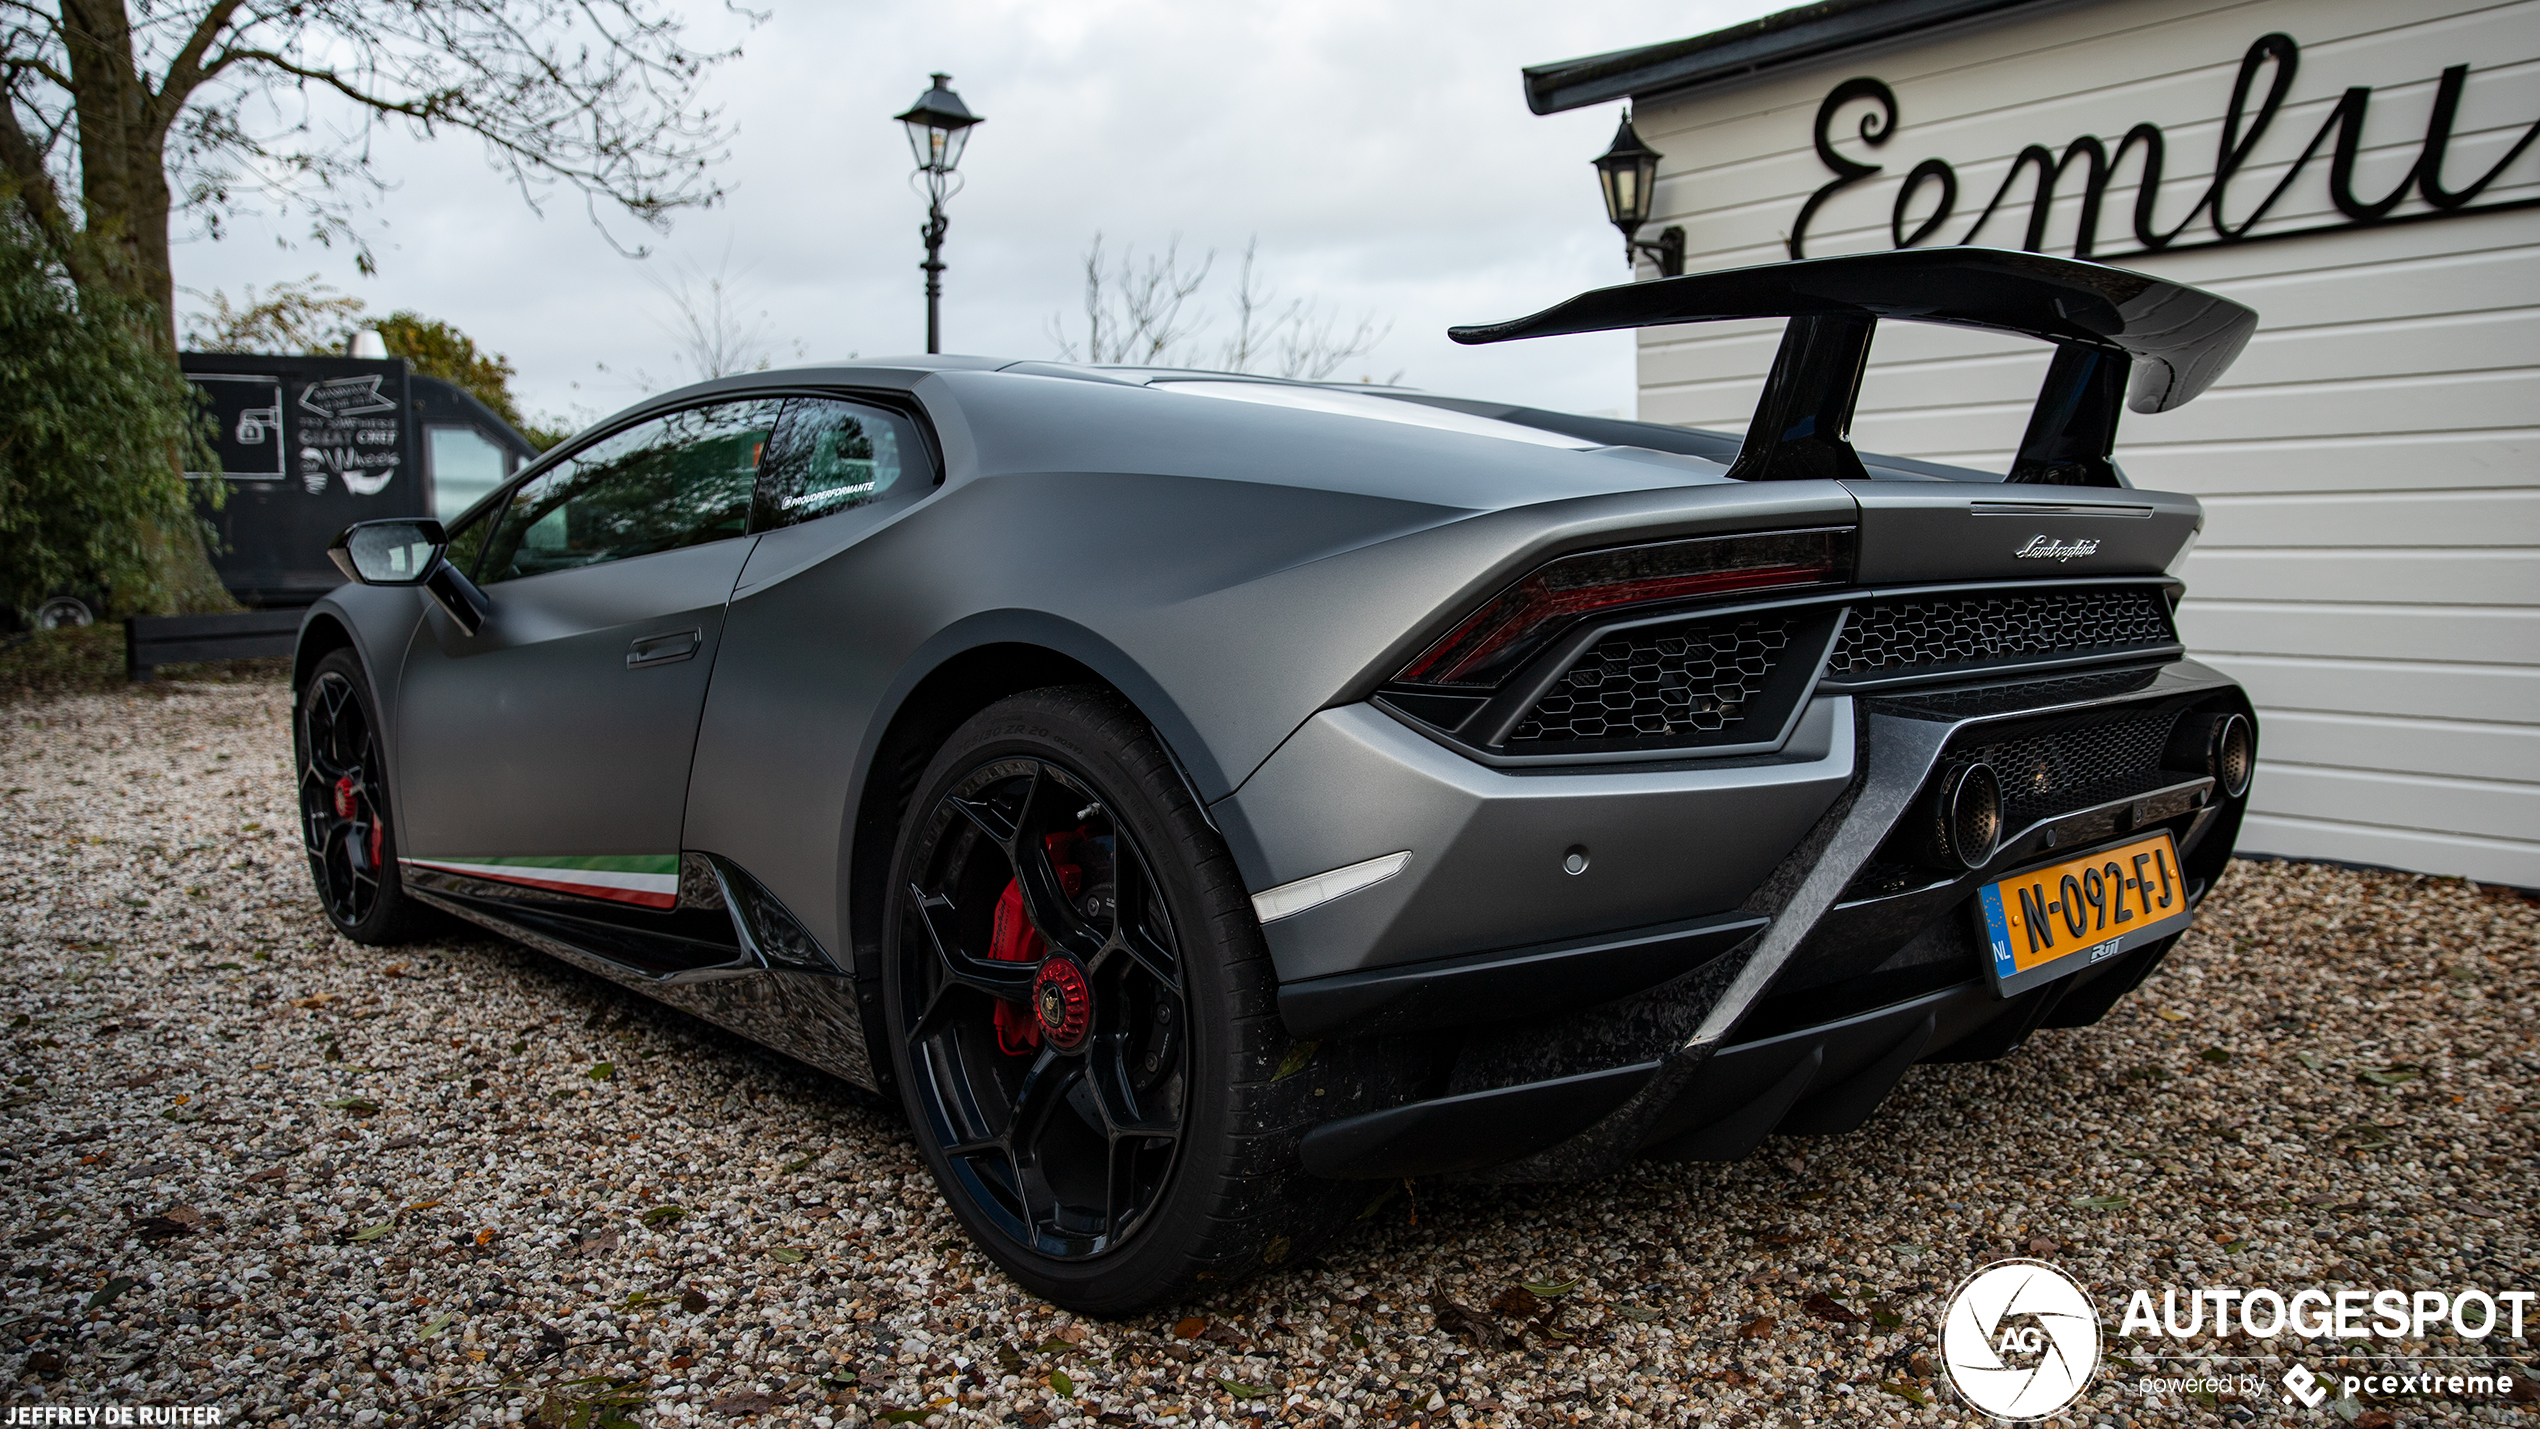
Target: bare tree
[(1293, 337), (158, 111), (713, 333), (1138, 311), (1133, 311)]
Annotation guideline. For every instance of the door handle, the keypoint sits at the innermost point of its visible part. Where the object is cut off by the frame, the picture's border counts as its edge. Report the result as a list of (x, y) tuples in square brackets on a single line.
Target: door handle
[(667, 649)]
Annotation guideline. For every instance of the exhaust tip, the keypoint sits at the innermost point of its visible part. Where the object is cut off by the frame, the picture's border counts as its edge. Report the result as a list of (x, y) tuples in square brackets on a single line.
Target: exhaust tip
[(1971, 815), (2235, 755)]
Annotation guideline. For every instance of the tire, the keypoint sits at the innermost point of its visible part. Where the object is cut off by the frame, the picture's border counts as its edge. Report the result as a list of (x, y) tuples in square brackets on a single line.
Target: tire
[(1173, 1016), (344, 813)]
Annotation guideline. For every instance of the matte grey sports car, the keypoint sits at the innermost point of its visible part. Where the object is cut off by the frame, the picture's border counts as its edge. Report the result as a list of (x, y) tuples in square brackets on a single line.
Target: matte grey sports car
[(1190, 794)]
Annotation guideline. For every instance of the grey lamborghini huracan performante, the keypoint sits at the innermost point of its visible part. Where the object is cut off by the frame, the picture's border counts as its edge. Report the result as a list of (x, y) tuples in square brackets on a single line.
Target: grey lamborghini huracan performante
[(1193, 796)]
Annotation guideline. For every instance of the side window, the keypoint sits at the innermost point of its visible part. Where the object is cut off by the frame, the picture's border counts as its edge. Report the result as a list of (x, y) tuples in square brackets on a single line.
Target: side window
[(679, 480), (831, 456)]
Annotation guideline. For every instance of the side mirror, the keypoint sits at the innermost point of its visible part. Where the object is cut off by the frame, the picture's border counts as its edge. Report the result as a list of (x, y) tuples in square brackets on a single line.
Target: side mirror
[(398, 552), (407, 551)]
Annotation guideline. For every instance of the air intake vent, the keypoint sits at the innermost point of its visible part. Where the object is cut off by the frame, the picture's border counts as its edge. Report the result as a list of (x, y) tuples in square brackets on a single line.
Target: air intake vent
[(2045, 775), (1915, 636), (1686, 684)]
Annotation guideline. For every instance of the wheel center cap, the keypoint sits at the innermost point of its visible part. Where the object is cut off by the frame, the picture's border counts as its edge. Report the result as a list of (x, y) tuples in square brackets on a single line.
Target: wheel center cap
[(1064, 1001)]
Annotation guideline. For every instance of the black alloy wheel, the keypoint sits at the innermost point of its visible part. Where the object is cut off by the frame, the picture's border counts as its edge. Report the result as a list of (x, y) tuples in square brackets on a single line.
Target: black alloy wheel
[(344, 807), (1054, 1082), (1082, 1015)]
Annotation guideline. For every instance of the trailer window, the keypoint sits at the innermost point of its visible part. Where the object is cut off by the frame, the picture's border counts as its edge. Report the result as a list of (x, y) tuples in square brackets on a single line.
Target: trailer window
[(464, 464)]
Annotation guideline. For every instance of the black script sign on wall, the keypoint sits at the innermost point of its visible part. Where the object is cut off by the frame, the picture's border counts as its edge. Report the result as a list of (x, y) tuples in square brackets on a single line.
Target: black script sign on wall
[(2275, 58)]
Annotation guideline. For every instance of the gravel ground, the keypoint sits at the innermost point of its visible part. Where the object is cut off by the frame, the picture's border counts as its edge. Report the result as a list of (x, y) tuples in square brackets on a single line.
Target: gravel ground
[(253, 1167)]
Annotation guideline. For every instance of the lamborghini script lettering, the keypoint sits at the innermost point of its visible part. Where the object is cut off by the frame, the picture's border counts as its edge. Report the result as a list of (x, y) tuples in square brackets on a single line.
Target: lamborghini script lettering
[(2047, 548)]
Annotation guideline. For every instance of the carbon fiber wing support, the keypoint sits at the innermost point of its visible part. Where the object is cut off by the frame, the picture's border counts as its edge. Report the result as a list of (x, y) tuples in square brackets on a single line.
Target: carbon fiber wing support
[(2103, 321)]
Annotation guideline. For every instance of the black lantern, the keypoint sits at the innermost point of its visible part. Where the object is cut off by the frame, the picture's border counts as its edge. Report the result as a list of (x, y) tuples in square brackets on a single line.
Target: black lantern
[(938, 127), (1628, 175)]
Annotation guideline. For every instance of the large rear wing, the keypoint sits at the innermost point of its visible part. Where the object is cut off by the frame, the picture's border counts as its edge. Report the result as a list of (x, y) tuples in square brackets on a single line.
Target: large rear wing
[(2102, 320)]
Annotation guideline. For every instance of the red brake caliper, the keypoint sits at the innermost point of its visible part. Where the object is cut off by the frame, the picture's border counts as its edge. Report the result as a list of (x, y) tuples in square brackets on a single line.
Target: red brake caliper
[(345, 808), (1013, 939)]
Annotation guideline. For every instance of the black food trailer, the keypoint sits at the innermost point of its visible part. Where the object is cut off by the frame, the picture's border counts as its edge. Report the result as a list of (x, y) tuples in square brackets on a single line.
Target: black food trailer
[(310, 445)]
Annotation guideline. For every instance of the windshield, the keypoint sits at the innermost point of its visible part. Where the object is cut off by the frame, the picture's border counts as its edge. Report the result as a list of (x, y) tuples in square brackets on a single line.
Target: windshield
[(1381, 409)]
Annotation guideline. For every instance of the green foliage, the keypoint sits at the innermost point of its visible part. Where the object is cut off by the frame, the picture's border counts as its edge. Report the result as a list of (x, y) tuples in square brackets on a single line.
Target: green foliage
[(437, 349), (306, 318), (94, 421), (309, 318)]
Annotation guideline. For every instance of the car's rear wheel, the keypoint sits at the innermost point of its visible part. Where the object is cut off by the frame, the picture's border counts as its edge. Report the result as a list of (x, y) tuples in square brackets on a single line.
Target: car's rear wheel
[(344, 807), (1081, 1014)]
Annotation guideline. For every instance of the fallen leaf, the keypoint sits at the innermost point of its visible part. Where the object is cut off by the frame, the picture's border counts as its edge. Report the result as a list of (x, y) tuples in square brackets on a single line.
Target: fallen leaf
[(370, 1233), (1072, 1334), (1884, 1315), (1189, 1329), (317, 1000), (485, 1236), (694, 1302), (1551, 1290), (1761, 1327), (1481, 1329), (1294, 1062), (2309, 1059), (392, 970), (432, 1328), (602, 1072), (2216, 1055), (1520, 1301), (788, 1255), (1907, 1391), (1640, 1313), (747, 1401), (108, 1293), (1060, 1382), (906, 1416), (1241, 1390), (1826, 1307), (400, 1143), (2041, 1247), (161, 1228), (270, 1173), (2098, 1203), (358, 1106), (664, 1215), (2171, 1014), (2396, 1074), (2374, 1419)]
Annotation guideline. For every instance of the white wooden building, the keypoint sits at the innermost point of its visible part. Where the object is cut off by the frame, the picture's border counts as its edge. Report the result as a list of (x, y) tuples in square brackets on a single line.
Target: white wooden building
[(2370, 566)]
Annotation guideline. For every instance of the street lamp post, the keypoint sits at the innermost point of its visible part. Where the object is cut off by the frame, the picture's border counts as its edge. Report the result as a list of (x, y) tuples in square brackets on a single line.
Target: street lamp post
[(938, 128), (1627, 173)]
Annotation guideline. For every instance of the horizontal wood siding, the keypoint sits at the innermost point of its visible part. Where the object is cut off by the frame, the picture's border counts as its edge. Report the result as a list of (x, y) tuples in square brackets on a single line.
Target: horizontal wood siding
[(2370, 565)]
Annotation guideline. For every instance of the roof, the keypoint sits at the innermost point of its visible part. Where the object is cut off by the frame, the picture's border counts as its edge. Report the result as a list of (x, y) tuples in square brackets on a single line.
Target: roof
[(1793, 37)]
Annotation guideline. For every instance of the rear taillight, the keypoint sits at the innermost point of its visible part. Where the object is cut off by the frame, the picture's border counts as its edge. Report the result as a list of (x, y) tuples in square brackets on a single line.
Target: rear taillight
[(1524, 618)]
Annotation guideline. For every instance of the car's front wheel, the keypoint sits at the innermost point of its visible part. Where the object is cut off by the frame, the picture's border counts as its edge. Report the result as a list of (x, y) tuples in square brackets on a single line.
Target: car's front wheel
[(344, 807), (1082, 1014)]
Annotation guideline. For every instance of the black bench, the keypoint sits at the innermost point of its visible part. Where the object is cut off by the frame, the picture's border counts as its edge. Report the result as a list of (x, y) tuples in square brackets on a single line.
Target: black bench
[(154, 640)]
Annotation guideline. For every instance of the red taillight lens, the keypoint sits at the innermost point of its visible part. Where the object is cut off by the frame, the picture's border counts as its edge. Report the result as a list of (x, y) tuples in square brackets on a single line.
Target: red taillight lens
[(1525, 617)]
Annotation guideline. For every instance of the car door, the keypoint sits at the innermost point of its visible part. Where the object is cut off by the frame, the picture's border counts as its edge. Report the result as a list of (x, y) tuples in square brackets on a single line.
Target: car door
[(551, 748)]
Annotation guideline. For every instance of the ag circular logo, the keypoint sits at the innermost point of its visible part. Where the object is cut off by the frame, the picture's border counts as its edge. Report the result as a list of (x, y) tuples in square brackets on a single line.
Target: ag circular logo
[(2020, 1340)]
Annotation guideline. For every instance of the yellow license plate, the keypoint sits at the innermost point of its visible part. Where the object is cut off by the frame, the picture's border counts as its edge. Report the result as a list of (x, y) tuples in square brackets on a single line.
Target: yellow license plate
[(2064, 917)]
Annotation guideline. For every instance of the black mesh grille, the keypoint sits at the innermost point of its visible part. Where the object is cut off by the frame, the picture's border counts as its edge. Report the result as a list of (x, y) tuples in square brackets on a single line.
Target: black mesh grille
[(1684, 684), (2044, 775), (1914, 634)]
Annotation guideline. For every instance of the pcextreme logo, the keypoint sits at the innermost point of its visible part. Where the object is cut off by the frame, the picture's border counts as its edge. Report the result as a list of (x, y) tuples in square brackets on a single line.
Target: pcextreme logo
[(2020, 1340)]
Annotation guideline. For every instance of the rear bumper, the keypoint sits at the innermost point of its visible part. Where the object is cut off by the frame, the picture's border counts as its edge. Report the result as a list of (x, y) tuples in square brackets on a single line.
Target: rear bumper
[(1847, 965)]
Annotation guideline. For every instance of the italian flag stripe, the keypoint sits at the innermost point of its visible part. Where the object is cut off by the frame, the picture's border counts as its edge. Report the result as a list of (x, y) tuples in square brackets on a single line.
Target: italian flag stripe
[(647, 880)]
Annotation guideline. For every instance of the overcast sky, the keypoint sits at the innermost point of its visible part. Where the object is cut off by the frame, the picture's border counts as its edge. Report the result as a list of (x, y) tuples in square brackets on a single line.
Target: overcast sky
[(1381, 150)]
